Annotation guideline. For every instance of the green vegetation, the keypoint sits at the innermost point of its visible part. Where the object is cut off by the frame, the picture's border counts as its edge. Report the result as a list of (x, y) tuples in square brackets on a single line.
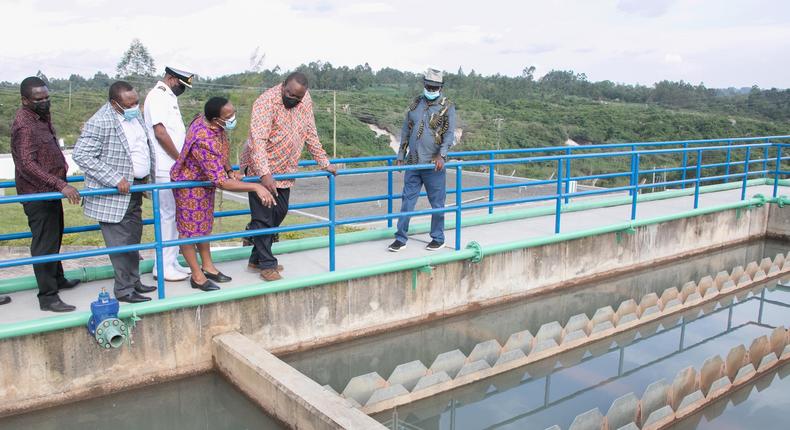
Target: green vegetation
[(493, 111)]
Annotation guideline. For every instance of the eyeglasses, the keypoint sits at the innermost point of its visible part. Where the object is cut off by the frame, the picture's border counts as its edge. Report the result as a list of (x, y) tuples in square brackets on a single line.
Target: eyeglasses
[(432, 88)]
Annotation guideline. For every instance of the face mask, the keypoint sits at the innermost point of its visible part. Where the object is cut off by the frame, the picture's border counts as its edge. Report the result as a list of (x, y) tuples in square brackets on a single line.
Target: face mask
[(431, 95), (131, 113), (41, 107), (290, 103), (179, 89), (230, 124)]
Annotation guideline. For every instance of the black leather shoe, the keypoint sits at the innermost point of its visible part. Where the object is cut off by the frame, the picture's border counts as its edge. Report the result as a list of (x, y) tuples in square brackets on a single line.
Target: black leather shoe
[(206, 286), (134, 297), (217, 277), (5, 300), (69, 284), (142, 289), (57, 306)]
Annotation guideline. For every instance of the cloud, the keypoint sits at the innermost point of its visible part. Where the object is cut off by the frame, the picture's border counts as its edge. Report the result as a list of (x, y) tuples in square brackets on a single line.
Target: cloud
[(370, 8), (671, 58), (529, 49), (646, 8)]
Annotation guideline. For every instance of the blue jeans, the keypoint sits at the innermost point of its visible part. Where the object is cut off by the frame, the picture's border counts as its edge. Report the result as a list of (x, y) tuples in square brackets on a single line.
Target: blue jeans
[(436, 187)]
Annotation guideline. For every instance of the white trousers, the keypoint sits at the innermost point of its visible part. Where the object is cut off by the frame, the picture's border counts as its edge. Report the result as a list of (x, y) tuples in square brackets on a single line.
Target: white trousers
[(167, 218)]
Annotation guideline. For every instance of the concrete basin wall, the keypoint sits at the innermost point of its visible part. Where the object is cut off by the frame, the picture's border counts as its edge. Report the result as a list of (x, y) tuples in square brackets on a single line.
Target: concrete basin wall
[(53, 367)]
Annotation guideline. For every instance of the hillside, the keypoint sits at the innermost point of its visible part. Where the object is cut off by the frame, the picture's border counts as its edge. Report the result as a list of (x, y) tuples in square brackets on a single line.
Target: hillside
[(492, 111)]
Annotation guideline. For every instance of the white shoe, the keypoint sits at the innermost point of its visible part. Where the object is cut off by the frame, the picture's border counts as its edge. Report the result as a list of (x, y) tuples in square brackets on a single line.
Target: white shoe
[(173, 275), (179, 268)]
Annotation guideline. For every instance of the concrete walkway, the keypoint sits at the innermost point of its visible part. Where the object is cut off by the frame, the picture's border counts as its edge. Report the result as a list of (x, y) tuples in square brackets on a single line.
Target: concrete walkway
[(25, 303)]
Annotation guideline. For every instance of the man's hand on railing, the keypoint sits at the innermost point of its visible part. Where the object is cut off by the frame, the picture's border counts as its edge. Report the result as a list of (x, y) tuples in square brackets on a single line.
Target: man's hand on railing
[(268, 182), (331, 169), (266, 197), (123, 186), (72, 194), (438, 162)]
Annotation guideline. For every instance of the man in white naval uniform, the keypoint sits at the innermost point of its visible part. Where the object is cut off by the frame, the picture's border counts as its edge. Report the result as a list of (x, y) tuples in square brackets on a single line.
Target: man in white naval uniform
[(167, 132)]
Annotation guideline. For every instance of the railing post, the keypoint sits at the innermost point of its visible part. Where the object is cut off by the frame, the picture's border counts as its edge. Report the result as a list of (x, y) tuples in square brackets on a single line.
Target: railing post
[(696, 183), (558, 207), (160, 270), (635, 181), (331, 223), (458, 202), (567, 176), (389, 194), (631, 190), (745, 172), (765, 159), (777, 169), (491, 175), (685, 164), (727, 160)]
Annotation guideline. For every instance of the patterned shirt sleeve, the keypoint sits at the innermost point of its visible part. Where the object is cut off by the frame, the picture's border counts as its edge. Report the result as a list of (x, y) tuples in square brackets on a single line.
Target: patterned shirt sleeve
[(210, 159), (87, 154), (260, 128), (311, 135), (26, 149)]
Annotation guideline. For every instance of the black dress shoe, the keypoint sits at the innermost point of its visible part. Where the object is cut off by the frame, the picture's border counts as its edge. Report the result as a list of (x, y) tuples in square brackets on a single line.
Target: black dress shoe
[(57, 306), (142, 289), (5, 300), (217, 277), (206, 286), (134, 297), (69, 284)]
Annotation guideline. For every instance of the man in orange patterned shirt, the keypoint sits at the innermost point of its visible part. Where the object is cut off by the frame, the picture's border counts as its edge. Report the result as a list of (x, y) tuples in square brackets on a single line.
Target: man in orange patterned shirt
[(282, 123)]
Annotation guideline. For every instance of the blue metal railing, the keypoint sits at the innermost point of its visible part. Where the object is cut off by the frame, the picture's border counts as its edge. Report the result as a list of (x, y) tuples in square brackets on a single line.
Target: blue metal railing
[(562, 196)]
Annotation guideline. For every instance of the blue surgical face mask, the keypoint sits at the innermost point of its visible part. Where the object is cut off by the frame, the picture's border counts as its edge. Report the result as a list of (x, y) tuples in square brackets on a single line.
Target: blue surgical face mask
[(230, 124), (431, 95), (130, 113)]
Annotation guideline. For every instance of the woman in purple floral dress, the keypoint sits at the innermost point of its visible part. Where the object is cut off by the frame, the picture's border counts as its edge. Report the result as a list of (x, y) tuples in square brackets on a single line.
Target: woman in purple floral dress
[(204, 157)]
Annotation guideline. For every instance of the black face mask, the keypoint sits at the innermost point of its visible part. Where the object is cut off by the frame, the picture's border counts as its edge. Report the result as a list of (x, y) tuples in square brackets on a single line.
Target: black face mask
[(289, 102), (179, 89), (40, 107)]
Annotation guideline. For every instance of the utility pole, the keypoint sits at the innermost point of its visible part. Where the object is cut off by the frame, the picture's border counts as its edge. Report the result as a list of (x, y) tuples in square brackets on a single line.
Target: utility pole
[(69, 96), (334, 124), (498, 122)]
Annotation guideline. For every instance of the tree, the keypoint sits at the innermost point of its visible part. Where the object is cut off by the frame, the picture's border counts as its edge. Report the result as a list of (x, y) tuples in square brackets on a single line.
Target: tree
[(528, 73), (42, 76), (256, 60), (136, 61)]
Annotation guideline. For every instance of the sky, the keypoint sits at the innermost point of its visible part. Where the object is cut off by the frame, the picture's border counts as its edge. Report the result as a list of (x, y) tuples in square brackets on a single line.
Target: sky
[(721, 43)]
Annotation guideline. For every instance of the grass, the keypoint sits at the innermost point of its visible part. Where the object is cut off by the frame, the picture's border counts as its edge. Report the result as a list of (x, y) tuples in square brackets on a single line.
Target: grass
[(16, 221)]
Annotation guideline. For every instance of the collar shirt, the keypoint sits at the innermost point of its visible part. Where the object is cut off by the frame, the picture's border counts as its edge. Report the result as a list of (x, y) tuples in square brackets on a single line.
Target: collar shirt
[(138, 146), (161, 107), (39, 164), (278, 135)]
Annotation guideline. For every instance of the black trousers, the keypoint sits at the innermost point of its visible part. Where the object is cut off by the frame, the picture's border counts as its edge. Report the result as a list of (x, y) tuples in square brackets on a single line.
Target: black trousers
[(263, 217), (45, 219)]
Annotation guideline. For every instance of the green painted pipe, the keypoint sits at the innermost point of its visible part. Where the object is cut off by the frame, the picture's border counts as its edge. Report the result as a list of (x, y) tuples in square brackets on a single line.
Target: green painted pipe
[(472, 252), (87, 274)]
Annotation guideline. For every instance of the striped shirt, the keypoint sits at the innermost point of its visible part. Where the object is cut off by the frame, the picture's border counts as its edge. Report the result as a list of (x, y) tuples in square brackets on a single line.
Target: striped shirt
[(278, 135)]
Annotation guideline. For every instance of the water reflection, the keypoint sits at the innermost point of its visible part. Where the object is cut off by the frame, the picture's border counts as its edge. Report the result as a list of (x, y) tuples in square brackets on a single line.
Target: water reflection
[(539, 396), (200, 402), (336, 365)]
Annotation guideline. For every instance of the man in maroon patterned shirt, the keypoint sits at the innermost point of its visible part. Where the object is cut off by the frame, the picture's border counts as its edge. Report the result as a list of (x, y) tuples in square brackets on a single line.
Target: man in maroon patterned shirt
[(40, 167)]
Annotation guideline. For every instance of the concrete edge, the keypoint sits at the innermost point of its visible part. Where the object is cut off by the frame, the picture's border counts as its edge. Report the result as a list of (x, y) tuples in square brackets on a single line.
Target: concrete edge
[(281, 390)]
